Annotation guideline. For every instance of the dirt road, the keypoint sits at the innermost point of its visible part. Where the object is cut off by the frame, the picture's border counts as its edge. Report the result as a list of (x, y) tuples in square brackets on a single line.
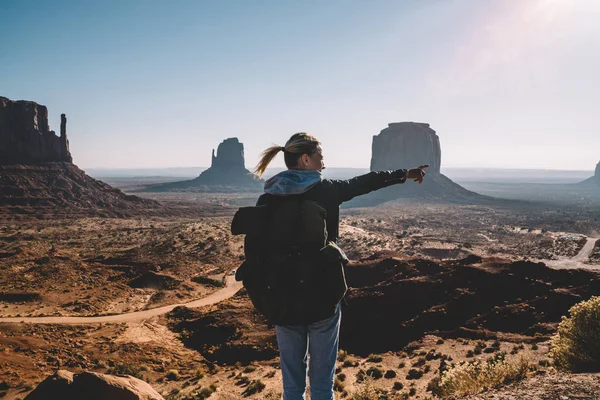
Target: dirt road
[(231, 288), (577, 261)]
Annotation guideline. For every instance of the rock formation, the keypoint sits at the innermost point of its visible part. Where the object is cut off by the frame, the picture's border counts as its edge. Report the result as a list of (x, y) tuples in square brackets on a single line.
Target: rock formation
[(408, 145), (592, 183), (25, 136), (37, 175), (91, 385), (230, 155), (404, 144), (226, 173)]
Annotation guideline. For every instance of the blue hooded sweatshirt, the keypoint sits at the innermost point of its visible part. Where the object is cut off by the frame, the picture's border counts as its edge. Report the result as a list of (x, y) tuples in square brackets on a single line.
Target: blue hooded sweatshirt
[(292, 181)]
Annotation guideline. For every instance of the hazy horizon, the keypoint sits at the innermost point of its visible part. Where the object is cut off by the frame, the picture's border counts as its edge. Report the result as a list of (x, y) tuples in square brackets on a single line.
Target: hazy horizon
[(149, 84)]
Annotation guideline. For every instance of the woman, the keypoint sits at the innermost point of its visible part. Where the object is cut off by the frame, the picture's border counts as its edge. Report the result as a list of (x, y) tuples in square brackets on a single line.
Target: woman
[(304, 159)]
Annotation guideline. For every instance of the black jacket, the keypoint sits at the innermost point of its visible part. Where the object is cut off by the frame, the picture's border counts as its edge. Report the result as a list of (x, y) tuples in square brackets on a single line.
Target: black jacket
[(330, 193)]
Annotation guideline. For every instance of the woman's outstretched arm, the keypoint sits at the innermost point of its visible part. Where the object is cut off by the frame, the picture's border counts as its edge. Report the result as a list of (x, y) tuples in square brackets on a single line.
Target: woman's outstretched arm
[(347, 189)]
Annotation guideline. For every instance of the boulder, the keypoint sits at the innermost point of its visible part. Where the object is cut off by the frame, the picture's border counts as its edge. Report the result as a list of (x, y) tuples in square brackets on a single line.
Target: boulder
[(57, 386), (64, 385), (25, 136)]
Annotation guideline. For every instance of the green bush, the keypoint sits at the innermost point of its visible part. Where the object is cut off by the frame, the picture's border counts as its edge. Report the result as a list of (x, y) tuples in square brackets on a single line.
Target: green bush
[(576, 346)]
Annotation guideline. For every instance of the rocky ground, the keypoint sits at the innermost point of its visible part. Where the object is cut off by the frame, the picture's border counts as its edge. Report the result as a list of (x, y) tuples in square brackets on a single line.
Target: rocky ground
[(109, 266), (432, 285), (548, 386)]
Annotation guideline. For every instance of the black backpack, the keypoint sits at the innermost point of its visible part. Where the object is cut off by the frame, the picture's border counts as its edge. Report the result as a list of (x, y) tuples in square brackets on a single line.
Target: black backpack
[(292, 274)]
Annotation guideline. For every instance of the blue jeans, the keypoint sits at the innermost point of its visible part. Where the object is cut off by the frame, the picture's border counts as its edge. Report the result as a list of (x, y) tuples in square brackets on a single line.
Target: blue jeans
[(320, 340)]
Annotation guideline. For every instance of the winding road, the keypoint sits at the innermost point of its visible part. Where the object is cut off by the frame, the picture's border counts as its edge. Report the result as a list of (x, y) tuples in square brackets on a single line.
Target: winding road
[(231, 288), (577, 261)]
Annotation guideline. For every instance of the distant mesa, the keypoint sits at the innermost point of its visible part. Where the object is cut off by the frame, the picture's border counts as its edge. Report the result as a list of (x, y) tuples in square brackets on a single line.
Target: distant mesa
[(409, 145), (226, 173), (37, 174), (26, 138), (404, 144), (592, 182)]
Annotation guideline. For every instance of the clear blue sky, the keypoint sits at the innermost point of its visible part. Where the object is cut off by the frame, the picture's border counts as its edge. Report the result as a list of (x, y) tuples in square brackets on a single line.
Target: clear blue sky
[(505, 83)]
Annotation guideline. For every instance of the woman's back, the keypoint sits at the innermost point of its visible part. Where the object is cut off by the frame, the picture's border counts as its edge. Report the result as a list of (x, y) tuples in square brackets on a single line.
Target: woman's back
[(330, 193)]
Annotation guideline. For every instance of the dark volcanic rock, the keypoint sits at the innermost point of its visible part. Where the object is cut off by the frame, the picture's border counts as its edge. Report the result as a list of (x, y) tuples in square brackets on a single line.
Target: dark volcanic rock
[(154, 280), (26, 138), (65, 385), (228, 333), (408, 145), (227, 173), (415, 297)]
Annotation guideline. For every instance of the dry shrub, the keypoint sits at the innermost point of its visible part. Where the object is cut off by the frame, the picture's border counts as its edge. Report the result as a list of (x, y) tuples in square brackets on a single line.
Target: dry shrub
[(366, 391), (266, 395), (576, 345), (476, 376)]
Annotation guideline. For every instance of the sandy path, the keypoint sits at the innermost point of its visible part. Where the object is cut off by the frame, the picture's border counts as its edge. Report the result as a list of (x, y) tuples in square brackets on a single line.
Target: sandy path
[(577, 261), (231, 288), (486, 237)]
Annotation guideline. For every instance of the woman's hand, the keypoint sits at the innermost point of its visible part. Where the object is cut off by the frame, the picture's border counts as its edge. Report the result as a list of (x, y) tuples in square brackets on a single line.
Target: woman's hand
[(417, 174)]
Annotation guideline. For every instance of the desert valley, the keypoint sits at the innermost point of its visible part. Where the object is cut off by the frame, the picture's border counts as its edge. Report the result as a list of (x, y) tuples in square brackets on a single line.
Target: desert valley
[(100, 286)]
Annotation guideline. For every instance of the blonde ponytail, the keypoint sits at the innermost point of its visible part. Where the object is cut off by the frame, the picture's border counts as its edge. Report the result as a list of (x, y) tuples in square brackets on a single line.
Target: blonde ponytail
[(300, 143), (265, 159)]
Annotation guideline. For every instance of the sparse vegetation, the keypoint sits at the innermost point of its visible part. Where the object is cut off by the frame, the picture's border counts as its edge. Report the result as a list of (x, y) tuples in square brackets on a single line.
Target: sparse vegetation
[(375, 372), (125, 369), (389, 374), (419, 362), (374, 358), (576, 345), (248, 369), (256, 386), (475, 376), (368, 391), (338, 384), (172, 375), (414, 374)]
